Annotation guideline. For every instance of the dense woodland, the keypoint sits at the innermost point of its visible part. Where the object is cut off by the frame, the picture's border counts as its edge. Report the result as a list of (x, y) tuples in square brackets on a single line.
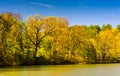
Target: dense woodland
[(51, 40)]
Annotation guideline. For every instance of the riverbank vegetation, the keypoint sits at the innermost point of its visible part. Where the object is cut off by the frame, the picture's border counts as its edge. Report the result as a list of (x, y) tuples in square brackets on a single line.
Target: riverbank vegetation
[(51, 40)]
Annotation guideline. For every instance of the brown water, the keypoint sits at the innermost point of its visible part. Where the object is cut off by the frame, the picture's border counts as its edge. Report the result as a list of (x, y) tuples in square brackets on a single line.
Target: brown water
[(63, 70)]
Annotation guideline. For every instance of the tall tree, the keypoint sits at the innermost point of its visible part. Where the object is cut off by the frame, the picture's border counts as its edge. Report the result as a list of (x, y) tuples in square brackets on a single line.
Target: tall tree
[(7, 21), (38, 28), (34, 30)]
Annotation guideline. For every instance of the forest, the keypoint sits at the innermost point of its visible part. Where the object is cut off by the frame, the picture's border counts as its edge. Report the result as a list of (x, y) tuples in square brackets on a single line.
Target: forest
[(51, 40)]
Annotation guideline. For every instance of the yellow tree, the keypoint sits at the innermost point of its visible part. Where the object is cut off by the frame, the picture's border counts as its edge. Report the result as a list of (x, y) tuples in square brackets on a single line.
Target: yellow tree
[(58, 35), (7, 21), (37, 28), (34, 30), (107, 44), (78, 37)]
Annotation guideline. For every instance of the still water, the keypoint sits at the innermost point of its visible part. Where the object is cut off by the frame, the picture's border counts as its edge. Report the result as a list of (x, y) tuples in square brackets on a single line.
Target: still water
[(63, 70)]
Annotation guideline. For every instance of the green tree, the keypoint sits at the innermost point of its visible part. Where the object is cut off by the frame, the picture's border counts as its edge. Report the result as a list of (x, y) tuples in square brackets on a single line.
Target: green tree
[(118, 26), (107, 27)]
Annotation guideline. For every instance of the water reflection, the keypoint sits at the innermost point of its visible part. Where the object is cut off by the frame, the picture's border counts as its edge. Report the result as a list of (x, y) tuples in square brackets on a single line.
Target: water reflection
[(63, 70)]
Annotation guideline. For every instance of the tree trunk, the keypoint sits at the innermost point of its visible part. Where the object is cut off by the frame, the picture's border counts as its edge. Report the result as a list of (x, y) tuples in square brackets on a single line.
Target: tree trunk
[(104, 57), (35, 53)]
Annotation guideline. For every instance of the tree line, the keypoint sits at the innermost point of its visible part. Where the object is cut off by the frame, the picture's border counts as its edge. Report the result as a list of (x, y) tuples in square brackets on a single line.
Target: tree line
[(51, 40)]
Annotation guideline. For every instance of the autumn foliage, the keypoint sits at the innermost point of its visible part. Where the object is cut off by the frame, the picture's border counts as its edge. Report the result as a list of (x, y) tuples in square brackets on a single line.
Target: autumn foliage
[(51, 40)]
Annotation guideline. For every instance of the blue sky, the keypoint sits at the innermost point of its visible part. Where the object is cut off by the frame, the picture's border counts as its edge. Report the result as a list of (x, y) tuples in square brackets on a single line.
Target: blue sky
[(77, 11)]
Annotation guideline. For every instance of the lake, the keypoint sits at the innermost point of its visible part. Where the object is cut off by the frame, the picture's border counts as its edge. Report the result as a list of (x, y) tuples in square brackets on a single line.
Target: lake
[(63, 70)]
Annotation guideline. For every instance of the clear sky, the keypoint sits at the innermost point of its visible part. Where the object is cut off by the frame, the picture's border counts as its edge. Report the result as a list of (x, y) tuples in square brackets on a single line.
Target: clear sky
[(77, 11)]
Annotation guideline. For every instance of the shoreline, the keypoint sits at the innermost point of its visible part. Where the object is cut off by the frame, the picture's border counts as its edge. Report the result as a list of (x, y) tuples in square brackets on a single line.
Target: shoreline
[(4, 66)]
